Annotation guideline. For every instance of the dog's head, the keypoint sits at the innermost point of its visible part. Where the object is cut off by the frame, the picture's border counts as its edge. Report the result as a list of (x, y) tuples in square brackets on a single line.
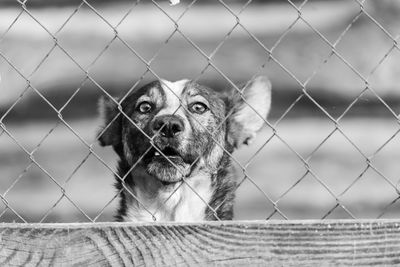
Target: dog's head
[(171, 128)]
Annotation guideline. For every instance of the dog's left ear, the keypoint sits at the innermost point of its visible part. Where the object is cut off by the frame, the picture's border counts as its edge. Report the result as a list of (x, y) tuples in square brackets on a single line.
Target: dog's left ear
[(111, 129), (244, 122)]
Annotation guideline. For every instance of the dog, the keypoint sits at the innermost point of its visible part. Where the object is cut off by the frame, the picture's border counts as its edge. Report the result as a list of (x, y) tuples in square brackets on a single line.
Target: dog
[(174, 141)]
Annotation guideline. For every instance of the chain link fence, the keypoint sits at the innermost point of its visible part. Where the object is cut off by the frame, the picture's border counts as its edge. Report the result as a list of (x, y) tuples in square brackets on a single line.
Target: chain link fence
[(304, 166)]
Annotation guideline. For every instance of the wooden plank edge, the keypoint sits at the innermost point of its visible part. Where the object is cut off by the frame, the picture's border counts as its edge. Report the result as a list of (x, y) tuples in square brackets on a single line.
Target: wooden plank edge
[(233, 243), (82, 225)]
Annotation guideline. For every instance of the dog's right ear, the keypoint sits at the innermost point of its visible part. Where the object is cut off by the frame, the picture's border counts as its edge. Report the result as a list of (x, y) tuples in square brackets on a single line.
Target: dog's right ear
[(111, 117), (249, 111)]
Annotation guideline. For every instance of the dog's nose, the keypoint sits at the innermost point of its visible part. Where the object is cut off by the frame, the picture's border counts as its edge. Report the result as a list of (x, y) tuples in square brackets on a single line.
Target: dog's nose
[(168, 125)]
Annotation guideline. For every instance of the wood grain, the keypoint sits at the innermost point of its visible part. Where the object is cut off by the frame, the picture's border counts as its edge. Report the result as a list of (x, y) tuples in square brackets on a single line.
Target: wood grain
[(271, 243)]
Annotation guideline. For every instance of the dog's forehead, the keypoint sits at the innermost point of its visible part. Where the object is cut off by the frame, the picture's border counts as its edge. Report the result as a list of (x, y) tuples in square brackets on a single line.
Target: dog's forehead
[(168, 93), (178, 89), (173, 90), (162, 88)]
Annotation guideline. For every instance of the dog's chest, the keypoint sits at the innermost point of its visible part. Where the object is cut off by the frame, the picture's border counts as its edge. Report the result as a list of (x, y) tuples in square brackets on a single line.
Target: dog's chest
[(187, 204)]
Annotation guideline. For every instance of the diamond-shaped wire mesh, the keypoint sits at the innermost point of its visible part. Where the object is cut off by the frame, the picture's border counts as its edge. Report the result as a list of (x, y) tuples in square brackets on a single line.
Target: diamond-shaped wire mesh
[(328, 149)]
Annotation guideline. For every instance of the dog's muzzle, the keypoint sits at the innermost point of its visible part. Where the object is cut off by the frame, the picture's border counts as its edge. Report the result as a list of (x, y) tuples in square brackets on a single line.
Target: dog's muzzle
[(167, 160)]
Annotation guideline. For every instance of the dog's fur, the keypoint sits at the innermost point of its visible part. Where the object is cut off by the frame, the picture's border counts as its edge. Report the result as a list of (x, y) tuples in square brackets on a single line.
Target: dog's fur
[(182, 172)]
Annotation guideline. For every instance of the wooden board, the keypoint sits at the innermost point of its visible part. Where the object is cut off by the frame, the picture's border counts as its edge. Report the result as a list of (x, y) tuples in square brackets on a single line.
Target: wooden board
[(271, 243)]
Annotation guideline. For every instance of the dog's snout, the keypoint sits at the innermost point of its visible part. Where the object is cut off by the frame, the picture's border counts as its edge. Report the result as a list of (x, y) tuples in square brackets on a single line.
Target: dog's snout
[(168, 126)]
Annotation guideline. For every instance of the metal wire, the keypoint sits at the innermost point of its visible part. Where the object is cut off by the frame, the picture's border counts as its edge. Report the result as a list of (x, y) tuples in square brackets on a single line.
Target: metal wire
[(209, 57)]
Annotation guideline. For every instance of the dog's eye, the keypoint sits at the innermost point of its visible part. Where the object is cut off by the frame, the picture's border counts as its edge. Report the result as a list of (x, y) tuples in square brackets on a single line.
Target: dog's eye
[(198, 108), (145, 107)]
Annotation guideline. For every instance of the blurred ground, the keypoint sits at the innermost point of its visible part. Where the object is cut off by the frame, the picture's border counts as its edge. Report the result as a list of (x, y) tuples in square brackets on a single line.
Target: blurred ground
[(90, 42)]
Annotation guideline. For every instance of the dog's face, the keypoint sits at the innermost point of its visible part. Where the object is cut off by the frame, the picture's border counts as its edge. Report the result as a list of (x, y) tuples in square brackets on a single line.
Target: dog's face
[(169, 129)]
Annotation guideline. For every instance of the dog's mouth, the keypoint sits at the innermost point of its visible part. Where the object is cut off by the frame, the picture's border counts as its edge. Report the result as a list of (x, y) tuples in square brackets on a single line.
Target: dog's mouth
[(167, 153), (168, 164), (166, 156)]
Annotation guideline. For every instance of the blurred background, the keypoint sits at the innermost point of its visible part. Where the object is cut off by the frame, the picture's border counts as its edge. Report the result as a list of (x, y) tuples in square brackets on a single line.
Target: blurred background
[(335, 149)]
